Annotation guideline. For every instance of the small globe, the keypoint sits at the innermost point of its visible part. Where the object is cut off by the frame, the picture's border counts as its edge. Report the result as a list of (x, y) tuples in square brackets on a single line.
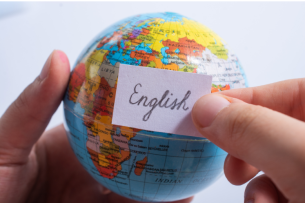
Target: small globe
[(135, 163)]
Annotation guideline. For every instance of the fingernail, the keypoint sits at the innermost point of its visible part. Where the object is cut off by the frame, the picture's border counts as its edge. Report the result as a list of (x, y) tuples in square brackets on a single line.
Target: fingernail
[(206, 109), (62, 56), (46, 67)]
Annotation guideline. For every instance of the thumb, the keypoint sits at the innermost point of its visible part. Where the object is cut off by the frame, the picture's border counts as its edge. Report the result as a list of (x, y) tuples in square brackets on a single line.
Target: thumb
[(266, 139), (27, 117)]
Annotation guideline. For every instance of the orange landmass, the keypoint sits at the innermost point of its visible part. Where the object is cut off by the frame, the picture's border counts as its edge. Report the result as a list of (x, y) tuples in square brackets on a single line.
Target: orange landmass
[(144, 56), (136, 41), (77, 79), (103, 41), (227, 87), (110, 100), (124, 156), (114, 162), (140, 165), (171, 66), (220, 88), (84, 98), (100, 97), (107, 172), (144, 31), (187, 48), (214, 89)]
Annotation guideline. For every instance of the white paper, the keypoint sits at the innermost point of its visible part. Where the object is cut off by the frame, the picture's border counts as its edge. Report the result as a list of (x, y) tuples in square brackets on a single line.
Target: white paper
[(158, 115)]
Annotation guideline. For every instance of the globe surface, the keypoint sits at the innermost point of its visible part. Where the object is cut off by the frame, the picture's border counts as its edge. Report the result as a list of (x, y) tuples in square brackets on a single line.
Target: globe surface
[(135, 163)]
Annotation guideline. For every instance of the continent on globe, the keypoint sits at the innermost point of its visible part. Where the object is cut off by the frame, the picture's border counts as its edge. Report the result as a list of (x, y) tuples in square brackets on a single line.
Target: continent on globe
[(76, 81), (184, 48), (139, 164)]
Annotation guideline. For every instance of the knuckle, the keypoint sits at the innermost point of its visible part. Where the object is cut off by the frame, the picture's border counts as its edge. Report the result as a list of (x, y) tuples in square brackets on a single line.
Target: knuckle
[(259, 183), (21, 103)]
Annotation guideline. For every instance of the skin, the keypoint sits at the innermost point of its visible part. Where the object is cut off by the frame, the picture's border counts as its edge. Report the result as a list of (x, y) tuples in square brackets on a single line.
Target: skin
[(38, 166), (262, 128)]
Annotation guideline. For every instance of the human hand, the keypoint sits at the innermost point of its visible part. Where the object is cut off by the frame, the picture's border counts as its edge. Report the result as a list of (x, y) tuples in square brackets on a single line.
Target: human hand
[(38, 166), (262, 128)]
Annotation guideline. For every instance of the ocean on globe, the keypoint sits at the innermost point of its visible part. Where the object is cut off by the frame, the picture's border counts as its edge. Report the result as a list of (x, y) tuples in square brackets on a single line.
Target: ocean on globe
[(135, 163)]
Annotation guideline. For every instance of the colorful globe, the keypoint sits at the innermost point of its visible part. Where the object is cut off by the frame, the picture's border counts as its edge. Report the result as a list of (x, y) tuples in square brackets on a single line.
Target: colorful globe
[(135, 163)]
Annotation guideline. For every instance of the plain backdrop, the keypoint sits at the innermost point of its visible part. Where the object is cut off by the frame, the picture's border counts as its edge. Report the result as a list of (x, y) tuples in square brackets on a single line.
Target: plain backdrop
[(268, 38)]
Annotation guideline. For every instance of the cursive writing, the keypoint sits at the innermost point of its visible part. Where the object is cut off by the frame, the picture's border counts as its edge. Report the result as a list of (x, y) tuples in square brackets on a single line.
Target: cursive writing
[(154, 102)]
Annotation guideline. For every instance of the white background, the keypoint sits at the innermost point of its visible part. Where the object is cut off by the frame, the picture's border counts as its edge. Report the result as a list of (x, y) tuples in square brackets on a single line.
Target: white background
[(268, 38)]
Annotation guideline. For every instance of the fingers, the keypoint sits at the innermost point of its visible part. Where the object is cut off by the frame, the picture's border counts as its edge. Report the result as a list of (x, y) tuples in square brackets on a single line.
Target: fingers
[(262, 190), (114, 198), (266, 139), (286, 97), (237, 171), (27, 117)]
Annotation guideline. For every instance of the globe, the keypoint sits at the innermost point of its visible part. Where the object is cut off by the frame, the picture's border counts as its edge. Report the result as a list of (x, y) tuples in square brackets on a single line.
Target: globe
[(136, 163)]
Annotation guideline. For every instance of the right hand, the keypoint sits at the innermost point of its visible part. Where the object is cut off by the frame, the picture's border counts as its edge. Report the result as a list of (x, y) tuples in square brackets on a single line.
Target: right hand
[(262, 128)]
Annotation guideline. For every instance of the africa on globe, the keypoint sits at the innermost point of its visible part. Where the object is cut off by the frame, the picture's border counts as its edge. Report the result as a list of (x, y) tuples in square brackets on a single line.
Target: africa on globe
[(136, 163)]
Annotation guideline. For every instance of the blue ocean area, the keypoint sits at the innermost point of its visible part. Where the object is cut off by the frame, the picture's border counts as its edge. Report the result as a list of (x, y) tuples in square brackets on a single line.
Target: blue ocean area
[(174, 17), (130, 22), (116, 55), (122, 43), (242, 72), (165, 55), (142, 47), (192, 162), (167, 135), (146, 24)]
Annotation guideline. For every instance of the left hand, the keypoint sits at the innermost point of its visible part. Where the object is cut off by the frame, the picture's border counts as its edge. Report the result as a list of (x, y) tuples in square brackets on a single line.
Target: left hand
[(38, 166)]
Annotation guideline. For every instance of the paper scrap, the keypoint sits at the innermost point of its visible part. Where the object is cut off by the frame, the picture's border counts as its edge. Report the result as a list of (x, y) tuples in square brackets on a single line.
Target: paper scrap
[(158, 100)]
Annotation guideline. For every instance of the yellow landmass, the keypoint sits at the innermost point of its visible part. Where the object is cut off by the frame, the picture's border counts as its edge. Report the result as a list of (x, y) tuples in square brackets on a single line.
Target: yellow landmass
[(188, 68), (85, 96), (94, 62), (102, 127), (160, 65), (127, 132), (190, 29), (92, 84), (147, 39), (102, 160), (128, 43)]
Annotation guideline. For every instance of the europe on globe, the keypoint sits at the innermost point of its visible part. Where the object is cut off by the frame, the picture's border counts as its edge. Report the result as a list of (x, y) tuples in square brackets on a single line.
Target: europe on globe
[(135, 163)]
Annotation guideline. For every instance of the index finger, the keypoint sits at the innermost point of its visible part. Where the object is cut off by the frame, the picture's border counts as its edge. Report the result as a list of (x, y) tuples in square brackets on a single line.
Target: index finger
[(285, 97)]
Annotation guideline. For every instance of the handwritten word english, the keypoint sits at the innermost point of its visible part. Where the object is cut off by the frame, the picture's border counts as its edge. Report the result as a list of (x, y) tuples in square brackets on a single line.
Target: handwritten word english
[(154, 102)]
